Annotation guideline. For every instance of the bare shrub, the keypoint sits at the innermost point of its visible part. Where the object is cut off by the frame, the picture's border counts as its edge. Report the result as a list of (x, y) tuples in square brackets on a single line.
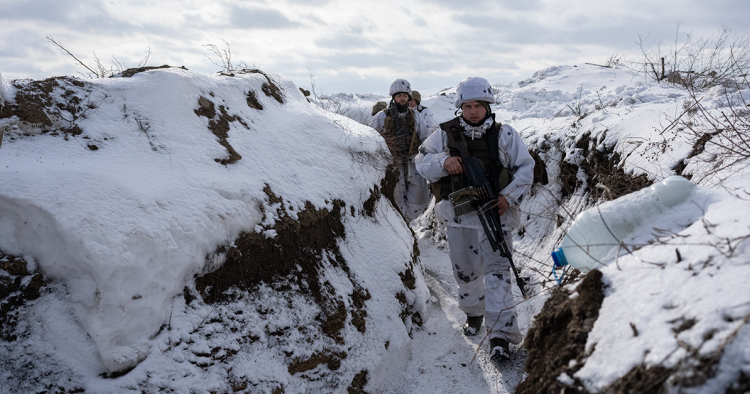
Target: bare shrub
[(99, 70), (222, 57), (698, 63), (723, 134)]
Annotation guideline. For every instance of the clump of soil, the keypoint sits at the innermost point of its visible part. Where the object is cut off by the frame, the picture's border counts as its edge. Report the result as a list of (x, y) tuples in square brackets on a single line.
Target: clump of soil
[(540, 169), (269, 88), (569, 181), (132, 71), (15, 289), (333, 360), (559, 335), (387, 185), (253, 102), (358, 383), (220, 127), (698, 147)]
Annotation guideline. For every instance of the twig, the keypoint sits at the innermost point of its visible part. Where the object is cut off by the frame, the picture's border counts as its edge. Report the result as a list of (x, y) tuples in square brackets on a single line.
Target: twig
[(52, 40)]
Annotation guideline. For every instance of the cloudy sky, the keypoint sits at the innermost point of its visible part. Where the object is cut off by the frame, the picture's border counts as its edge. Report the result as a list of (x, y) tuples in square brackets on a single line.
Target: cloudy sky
[(349, 45)]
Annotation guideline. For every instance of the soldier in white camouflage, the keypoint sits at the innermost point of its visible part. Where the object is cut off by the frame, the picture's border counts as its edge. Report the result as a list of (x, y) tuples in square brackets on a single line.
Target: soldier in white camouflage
[(483, 275), (404, 131)]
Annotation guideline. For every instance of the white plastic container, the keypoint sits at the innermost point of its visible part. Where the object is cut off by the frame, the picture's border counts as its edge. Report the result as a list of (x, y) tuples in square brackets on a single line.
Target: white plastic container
[(597, 232)]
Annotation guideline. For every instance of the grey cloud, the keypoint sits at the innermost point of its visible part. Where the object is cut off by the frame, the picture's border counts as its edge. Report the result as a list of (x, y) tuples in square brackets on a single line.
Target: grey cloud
[(345, 41), (315, 19), (84, 15), (44, 10), (260, 18), (309, 2), (486, 5), (419, 21)]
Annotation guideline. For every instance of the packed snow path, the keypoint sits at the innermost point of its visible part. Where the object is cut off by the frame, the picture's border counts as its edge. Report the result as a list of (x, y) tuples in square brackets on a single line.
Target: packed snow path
[(442, 358)]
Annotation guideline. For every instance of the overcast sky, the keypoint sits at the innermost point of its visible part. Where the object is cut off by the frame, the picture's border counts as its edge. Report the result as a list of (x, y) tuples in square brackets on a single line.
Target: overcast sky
[(348, 45)]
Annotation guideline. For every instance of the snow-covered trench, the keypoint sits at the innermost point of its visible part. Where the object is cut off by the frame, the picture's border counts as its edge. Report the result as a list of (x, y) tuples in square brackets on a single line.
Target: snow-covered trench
[(197, 233)]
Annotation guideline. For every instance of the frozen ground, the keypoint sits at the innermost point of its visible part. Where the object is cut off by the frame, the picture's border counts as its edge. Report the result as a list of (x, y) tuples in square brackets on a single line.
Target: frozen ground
[(141, 200), (443, 360)]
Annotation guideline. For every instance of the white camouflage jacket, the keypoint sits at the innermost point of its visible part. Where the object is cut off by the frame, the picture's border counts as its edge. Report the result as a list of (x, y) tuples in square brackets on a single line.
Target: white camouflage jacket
[(426, 119), (513, 154)]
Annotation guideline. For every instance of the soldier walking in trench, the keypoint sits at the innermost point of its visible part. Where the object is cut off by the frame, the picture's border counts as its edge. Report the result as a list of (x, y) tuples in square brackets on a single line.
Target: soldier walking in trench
[(404, 131), (482, 275)]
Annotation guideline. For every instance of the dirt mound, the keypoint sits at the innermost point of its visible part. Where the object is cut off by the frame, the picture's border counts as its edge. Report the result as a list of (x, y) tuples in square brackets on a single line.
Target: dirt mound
[(559, 336)]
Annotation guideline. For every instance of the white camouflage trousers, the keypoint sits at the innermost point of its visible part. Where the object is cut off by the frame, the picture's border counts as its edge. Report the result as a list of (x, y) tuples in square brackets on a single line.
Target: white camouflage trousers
[(484, 285), (414, 199)]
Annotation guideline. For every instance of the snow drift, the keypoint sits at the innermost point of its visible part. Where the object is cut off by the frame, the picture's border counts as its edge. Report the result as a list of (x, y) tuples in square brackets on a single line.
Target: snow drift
[(126, 192)]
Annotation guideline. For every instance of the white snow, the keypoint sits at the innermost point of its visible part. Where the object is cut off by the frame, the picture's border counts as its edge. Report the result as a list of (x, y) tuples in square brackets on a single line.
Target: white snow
[(122, 229)]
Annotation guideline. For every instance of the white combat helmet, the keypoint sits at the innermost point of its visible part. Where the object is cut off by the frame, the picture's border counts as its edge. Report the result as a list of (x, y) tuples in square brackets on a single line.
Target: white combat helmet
[(474, 89), (400, 86)]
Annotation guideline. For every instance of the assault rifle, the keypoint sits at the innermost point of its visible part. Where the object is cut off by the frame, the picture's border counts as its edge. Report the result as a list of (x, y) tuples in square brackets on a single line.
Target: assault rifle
[(403, 149), (480, 197)]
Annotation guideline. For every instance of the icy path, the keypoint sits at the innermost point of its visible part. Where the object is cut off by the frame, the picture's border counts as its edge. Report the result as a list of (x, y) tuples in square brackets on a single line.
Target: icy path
[(441, 357)]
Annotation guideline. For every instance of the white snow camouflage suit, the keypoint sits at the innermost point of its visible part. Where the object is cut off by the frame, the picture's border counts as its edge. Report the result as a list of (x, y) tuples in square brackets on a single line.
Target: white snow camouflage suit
[(412, 201), (483, 276)]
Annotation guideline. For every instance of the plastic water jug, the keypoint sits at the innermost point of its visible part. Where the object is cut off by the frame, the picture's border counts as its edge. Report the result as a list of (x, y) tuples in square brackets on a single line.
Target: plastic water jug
[(596, 232)]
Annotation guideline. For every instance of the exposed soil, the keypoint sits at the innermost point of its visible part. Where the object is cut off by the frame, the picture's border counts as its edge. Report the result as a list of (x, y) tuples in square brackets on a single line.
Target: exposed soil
[(569, 179), (605, 167), (333, 360), (698, 147), (641, 380), (219, 126), (269, 88), (302, 243), (132, 71), (253, 102), (601, 166), (15, 289), (559, 335), (293, 259), (741, 386), (387, 185), (65, 98), (358, 383), (540, 169)]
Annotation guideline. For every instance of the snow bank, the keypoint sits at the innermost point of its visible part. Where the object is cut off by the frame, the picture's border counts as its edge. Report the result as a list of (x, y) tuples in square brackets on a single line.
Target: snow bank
[(121, 191), (677, 301)]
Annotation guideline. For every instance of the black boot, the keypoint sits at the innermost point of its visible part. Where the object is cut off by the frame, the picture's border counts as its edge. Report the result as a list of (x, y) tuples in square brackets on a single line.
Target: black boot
[(472, 326), (499, 350)]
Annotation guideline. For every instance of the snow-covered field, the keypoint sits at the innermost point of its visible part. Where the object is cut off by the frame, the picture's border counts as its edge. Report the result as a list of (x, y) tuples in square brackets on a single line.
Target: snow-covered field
[(124, 216), (680, 300)]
